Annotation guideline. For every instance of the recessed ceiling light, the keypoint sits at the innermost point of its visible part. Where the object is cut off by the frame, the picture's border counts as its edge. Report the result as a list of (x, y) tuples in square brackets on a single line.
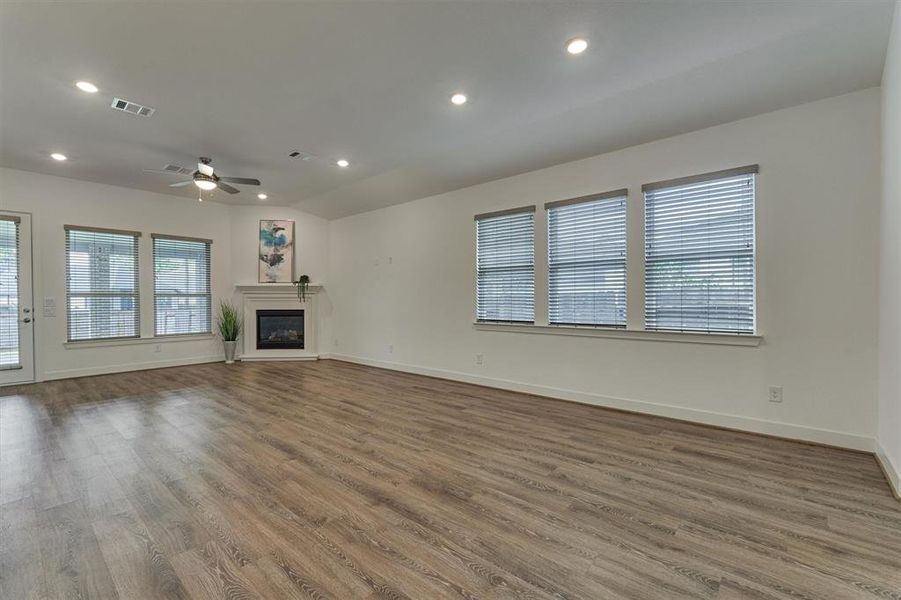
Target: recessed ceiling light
[(58, 156), (87, 86), (342, 163), (576, 45), (459, 98), (262, 196)]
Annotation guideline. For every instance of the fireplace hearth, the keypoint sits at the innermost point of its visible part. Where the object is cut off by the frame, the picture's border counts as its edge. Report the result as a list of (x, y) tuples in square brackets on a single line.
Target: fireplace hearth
[(280, 329)]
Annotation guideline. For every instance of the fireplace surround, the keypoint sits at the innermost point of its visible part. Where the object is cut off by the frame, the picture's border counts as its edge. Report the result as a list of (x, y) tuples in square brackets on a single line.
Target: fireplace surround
[(280, 302)]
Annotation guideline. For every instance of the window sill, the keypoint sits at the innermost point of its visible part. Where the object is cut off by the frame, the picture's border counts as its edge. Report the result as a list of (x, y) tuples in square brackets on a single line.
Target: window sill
[(721, 339), (160, 339)]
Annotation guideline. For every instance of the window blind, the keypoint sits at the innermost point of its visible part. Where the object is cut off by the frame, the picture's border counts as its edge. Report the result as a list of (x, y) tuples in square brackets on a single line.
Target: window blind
[(699, 253), (181, 285), (505, 266), (102, 283), (587, 260), (9, 293)]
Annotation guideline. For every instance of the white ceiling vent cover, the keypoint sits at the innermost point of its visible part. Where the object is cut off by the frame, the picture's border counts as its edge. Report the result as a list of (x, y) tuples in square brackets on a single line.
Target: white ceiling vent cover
[(132, 107), (301, 155)]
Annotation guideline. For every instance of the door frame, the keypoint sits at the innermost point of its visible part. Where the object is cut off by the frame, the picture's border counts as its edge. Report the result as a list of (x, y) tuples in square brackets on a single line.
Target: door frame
[(26, 266)]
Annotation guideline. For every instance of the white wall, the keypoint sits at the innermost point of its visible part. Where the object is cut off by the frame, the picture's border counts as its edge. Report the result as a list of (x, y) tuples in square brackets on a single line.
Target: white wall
[(56, 201), (403, 276), (889, 435)]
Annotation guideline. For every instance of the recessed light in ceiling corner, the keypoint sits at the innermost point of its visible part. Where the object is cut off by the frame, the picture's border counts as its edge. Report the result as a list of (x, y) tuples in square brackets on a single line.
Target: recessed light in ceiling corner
[(58, 156), (576, 45), (459, 98), (343, 163), (87, 86), (262, 196)]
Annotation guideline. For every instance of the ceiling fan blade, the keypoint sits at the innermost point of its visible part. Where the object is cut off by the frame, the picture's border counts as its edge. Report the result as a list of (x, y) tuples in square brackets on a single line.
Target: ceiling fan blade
[(182, 183), (244, 180), (227, 188), (162, 172)]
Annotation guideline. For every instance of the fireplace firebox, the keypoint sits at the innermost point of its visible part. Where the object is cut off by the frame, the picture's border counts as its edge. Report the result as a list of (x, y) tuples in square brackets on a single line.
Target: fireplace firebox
[(279, 329)]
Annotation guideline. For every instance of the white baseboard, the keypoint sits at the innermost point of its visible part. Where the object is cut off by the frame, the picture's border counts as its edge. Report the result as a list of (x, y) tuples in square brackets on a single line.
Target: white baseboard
[(891, 471), (122, 368), (750, 424)]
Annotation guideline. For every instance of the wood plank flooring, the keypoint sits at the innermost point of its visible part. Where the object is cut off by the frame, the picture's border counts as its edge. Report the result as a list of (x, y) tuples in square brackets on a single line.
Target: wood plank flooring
[(332, 480)]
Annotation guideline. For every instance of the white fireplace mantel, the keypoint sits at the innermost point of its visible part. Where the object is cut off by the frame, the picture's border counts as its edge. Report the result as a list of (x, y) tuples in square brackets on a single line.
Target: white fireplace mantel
[(273, 289), (263, 296)]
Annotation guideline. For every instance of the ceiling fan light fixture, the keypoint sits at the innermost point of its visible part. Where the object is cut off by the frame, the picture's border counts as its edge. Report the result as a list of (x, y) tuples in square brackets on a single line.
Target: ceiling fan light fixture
[(205, 184)]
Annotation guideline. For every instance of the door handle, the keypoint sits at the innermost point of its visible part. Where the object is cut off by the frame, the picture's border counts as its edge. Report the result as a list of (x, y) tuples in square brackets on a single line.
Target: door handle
[(26, 320)]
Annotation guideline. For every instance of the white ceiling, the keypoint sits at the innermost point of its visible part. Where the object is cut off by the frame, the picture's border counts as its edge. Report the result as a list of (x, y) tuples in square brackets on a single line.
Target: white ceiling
[(247, 82)]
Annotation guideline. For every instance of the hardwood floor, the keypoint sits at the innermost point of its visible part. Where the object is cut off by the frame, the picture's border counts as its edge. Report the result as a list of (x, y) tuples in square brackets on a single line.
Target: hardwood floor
[(332, 480)]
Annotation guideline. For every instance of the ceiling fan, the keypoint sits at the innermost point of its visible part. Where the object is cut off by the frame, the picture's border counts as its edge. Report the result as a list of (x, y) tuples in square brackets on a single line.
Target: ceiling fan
[(204, 177)]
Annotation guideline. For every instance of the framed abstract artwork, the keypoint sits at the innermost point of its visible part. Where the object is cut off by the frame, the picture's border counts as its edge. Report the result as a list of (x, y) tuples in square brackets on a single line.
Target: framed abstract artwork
[(276, 251)]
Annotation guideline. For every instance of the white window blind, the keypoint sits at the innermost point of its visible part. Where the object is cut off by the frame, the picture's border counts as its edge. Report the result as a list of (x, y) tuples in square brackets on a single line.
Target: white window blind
[(9, 293), (181, 285), (102, 283), (505, 266), (587, 260), (699, 253)]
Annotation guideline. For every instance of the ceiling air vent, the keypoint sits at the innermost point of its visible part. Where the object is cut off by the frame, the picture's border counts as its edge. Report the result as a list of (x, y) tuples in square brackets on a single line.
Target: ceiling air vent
[(132, 107), (301, 155)]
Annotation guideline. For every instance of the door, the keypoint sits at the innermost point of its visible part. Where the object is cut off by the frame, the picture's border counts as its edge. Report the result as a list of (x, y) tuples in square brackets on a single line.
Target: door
[(16, 309)]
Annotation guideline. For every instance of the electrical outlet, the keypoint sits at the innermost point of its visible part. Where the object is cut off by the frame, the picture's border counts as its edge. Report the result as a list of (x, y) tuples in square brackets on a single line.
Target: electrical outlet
[(480, 359), (157, 348), (390, 348), (335, 343), (775, 393)]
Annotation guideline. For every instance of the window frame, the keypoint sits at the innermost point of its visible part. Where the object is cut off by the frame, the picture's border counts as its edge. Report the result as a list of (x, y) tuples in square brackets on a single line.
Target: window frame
[(752, 171), (136, 296), (529, 210), (209, 286), (620, 194)]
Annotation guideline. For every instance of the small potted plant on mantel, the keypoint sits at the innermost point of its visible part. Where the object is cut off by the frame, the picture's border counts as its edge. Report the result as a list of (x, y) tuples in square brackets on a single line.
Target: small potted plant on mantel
[(303, 285), (230, 325)]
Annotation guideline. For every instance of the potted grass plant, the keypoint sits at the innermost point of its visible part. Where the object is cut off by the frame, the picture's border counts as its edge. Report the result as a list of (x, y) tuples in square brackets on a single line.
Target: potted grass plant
[(230, 325)]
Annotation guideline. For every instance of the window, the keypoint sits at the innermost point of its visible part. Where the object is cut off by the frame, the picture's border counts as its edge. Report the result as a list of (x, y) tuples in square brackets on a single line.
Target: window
[(505, 266), (101, 283), (9, 292), (181, 285), (587, 260), (699, 253)]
